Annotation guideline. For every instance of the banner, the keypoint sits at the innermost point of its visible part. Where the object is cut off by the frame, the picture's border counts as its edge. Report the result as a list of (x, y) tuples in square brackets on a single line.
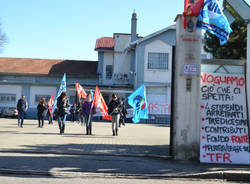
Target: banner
[(61, 89), (138, 101), (212, 19), (80, 91), (50, 105), (224, 130), (99, 102)]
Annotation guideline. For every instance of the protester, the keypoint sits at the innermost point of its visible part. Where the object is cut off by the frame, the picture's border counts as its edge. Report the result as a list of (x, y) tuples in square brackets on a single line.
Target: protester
[(123, 113), (22, 107), (41, 111), (88, 109), (62, 105), (79, 111), (50, 118), (114, 112), (73, 112)]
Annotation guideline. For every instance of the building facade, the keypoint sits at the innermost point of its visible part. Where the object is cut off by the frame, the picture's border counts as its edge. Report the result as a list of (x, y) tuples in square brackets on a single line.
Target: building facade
[(36, 78)]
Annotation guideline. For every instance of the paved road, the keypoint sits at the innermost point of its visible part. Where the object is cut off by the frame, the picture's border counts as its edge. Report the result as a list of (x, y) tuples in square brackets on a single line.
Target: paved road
[(43, 180), (133, 139), (140, 151)]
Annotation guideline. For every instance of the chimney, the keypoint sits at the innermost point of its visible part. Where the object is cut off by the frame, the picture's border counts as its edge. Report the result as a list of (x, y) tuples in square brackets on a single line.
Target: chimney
[(133, 27)]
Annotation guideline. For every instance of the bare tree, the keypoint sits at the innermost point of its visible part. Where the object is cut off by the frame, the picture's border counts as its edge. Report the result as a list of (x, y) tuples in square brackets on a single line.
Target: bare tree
[(3, 38)]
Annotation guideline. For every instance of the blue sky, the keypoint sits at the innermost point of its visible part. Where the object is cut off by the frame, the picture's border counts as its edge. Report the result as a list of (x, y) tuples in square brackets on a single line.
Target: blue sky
[(68, 29)]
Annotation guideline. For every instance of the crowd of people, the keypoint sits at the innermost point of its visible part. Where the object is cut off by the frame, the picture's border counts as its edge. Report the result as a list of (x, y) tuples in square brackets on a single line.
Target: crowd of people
[(82, 112)]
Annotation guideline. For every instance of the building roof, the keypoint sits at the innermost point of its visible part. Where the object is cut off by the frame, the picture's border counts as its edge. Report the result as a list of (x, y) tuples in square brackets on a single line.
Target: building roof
[(241, 7), (172, 27), (52, 67), (106, 43)]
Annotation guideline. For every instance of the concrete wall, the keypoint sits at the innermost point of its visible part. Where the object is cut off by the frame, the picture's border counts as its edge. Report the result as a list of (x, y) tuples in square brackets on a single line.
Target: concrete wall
[(186, 117), (248, 67)]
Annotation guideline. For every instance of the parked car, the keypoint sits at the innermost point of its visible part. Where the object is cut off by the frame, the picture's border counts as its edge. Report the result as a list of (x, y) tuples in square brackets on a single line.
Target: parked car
[(10, 112)]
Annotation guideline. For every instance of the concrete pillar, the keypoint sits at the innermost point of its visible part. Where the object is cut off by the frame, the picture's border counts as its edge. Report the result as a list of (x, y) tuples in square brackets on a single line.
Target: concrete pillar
[(248, 67), (186, 112)]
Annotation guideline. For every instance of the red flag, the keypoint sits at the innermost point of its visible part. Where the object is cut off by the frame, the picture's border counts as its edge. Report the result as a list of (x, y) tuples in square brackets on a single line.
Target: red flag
[(50, 104), (80, 91), (99, 102), (192, 9)]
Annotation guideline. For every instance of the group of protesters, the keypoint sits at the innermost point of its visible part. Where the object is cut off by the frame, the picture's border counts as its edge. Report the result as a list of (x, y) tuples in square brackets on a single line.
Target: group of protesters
[(85, 111)]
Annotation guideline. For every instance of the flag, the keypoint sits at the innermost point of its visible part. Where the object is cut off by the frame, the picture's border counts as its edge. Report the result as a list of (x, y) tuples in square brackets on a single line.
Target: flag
[(138, 101), (61, 89), (50, 104), (192, 8), (80, 91), (92, 94), (99, 102), (212, 18)]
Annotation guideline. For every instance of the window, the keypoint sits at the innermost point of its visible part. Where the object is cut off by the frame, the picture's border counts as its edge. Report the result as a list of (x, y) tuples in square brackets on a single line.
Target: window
[(157, 60), (38, 97), (7, 98), (109, 71)]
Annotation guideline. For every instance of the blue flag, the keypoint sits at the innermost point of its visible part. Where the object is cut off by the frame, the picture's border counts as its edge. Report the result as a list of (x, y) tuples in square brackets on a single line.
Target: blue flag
[(92, 94), (61, 89), (212, 18), (138, 101)]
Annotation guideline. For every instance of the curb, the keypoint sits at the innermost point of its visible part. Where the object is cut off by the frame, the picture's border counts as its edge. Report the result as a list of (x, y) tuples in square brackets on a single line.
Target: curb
[(88, 154), (221, 175)]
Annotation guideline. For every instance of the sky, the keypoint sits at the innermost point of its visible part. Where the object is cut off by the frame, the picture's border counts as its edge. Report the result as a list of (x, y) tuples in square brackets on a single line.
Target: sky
[(68, 29)]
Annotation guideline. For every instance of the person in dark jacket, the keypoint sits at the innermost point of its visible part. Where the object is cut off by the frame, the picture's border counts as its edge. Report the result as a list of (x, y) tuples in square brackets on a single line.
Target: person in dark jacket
[(41, 112), (123, 113), (88, 109), (22, 107), (114, 112), (73, 109), (62, 105)]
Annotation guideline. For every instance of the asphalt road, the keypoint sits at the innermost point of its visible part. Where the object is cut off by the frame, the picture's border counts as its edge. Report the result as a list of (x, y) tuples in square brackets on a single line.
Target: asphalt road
[(43, 180)]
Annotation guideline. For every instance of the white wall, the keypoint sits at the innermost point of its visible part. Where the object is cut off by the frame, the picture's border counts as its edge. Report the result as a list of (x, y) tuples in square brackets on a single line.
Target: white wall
[(11, 89), (156, 75), (121, 63), (40, 90), (107, 60), (158, 100), (121, 42)]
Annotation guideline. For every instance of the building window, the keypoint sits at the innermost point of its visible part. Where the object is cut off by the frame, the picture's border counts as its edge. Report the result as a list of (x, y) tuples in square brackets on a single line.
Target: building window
[(7, 98), (109, 71), (38, 97), (157, 60)]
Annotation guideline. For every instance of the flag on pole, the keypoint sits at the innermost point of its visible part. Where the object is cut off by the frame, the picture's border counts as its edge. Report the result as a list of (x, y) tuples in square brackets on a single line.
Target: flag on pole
[(61, 89), (191, 8), (92, 94), (212, 19), (50, 104), (138, 101), (80, 91), (99, 102)]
